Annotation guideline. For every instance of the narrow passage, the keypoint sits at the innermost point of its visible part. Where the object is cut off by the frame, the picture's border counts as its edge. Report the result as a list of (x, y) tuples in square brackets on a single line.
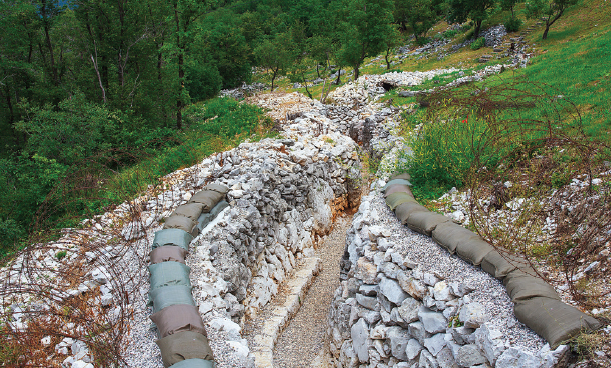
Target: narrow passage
[(303, 339)]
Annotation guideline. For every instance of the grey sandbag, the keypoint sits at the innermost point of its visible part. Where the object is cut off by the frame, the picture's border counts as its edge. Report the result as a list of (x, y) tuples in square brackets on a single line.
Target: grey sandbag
[(168, 274), (182, 346), (177, 237), (404, 176), (404, 210), (394, 200), (170, 295), (425, 222), (206, 218), (178, 318), (208, 198), (190, 210), (194, 363), (395, 182), (398, 188), (473, 248), (182, 223), (553, 320), (448, 234), (217, 188), (499, 265), (522, 286), (167, 253)]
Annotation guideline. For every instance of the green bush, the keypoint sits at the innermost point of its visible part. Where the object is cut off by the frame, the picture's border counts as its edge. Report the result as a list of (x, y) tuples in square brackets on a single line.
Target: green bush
[(513, 24), (450, 33), (478, 44)]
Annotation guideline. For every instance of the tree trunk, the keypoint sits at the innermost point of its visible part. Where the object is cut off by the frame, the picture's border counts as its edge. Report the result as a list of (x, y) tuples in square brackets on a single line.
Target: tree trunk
[(386, 58), (45, 22), (356, 72), (275, 73), (317, 72), (339, 75), (478, 27), (181, 71), (546, 31)]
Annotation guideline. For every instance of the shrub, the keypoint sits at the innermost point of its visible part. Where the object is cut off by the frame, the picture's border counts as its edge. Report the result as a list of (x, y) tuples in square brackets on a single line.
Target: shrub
[(450, 33), (478, 44), (513, 24)]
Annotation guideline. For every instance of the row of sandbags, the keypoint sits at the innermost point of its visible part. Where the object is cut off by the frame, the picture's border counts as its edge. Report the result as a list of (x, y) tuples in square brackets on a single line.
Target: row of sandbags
[(182, 335), (536, 303)]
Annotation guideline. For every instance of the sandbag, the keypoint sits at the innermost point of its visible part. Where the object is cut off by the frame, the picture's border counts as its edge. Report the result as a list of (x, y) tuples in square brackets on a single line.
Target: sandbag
[(521, 286), (404, 176), (182, 346), (217, 188), (167, 253), (190, 210), (398, 188), (554, 320), (473, 249), (178, 318), (206, 218), (394, 200), (404, 210), (500, 264), (170, 295), (168, 274), (195, 363), (395, 182), (448, 234), (425, 222), (208, 198), (177, 237), (182, 223)]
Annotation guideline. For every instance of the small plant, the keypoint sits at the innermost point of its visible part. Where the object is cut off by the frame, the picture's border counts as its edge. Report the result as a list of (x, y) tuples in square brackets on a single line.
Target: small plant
[(329, 140), (450, 33), (478, 44), (61, 254), (454, 322), (513, 24)]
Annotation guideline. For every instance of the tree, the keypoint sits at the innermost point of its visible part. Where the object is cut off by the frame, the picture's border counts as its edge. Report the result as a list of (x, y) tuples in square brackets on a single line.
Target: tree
[(275, 54), (393, 40), (367, 26), (552, 10), (420, 15), (476, 10)]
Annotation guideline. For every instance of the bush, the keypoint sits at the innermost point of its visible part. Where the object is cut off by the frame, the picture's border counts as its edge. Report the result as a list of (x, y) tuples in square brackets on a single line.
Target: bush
[(450, 33), (513, 24), (478, 44)]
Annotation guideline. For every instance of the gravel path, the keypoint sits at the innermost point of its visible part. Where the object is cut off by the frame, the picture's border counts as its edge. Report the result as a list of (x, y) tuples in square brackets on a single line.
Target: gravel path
[(303, 339)]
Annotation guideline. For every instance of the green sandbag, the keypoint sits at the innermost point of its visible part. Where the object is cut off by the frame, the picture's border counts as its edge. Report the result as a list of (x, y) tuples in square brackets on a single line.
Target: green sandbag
[(398, 188), (448, 234), (553, 320), (473, 249), (394, 200), (404, 210), (178, 318), (182, 346), (182, 223), (522, 286), (496, 264), (170, 295), (195, 363), (404, 176), (190, 210), (206, 218), (168, 274), (167, 253), (175, 237), (217, 188), (395, 182), (425, 222), (208, 198)]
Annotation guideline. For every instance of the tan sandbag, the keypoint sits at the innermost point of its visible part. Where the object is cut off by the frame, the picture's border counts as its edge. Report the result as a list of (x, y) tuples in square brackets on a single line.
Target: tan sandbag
[(398, 188), (394, 200), (190, 210), (170, 295), (448, 234), (178, 318), (217, 188), (473, 248), (425, 222), (396, 182), (554, 320), (208, 198), (404, 176), (182, 223), (176, 237), (182, 346), (521, 286), (167, 253), (195, 363), (404, 210)]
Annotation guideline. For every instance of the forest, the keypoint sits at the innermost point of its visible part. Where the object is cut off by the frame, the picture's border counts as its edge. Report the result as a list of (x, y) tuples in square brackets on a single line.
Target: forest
[(83, 82)]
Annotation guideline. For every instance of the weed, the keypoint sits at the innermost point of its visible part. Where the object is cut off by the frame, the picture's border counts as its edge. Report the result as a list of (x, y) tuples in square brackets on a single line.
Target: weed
[(60, 255), (478, 44)]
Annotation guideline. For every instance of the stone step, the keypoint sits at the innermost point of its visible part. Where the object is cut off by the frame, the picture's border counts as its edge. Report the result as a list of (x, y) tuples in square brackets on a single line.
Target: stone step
[(498, 49)]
